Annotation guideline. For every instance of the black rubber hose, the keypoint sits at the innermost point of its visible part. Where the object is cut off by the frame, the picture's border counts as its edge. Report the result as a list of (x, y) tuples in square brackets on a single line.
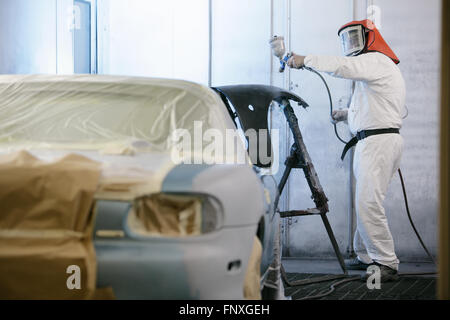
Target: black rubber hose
[(410, 218), (331, 101), (332, 288)]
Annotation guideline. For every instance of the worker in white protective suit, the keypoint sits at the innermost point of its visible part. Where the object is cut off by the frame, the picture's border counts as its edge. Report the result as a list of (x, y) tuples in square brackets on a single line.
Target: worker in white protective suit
[(374, 117)]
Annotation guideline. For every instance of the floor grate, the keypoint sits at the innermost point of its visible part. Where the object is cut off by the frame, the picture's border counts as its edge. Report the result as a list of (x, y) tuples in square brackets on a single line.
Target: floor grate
[(406, 288)]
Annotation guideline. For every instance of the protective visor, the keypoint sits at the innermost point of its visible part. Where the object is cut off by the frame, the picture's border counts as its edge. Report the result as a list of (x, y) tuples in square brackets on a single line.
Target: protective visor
[(353, 40)]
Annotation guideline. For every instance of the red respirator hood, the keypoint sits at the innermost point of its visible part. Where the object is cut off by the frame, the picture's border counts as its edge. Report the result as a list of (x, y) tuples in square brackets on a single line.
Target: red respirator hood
[(374, 40)]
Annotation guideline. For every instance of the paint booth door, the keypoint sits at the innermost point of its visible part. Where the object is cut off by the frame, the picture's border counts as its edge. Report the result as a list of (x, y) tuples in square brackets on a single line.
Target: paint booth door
[(82, 37)]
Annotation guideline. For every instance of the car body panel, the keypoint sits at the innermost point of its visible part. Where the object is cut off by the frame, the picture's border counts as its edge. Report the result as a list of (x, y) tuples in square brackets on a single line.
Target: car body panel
[(187, 268)]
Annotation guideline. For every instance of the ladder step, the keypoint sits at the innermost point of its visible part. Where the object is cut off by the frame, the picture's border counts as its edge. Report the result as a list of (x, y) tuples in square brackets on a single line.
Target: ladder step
[(296, 213)]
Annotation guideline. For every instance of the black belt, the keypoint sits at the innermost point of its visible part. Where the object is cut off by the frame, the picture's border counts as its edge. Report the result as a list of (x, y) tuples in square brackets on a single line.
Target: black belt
[(364, 134)]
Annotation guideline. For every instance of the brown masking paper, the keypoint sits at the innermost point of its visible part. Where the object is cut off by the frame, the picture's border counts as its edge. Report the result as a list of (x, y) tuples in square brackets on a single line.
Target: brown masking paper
[(252, 280), (169, 215), (46, 226)]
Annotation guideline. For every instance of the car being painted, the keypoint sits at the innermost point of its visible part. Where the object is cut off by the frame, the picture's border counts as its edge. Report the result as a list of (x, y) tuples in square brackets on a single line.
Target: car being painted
[(125, 124)]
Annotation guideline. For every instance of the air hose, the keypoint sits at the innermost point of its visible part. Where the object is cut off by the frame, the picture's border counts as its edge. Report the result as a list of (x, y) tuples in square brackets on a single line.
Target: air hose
[(331, 101), (354, 278), (410, 218)]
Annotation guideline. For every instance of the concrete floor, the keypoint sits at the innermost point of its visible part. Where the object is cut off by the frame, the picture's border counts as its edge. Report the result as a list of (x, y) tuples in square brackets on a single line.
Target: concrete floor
[(410, 287)]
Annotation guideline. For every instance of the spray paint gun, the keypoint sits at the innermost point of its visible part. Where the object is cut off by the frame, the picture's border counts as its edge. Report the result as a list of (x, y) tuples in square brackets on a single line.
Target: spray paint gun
[(278, 50)]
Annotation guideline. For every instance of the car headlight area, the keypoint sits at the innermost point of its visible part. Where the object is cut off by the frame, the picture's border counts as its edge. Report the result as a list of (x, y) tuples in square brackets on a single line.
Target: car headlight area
[(174, 246)]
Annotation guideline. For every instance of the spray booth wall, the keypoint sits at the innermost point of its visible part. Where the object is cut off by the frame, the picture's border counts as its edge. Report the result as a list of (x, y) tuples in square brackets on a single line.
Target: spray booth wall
[(27, 36), (171, 39)]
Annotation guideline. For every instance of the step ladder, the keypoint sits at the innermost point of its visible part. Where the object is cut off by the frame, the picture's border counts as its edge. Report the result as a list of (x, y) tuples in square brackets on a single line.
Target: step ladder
[(299, 159), (259, 98)]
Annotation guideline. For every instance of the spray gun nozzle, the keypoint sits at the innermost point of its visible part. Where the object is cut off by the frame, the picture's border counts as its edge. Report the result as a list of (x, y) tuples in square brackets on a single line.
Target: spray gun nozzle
[(284, 61)]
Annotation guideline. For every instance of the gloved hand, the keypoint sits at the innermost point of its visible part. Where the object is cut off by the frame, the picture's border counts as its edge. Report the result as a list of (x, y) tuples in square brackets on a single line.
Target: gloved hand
[(296, 61), (339, 115)]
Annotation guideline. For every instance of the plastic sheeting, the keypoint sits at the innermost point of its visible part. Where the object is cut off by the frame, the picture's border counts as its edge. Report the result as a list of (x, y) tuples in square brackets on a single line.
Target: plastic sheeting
[(127, 121), (117, 114)]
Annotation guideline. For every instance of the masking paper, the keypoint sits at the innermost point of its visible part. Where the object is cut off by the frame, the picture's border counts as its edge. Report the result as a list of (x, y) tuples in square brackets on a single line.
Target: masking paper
[(46, 226), (252, 288), (167, 215)]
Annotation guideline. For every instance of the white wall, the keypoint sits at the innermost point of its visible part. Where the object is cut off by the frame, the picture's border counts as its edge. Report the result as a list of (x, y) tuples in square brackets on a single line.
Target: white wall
[(240, 35), (154, 38), (171, 39), (27, 36), (36, 36), (412, 28)]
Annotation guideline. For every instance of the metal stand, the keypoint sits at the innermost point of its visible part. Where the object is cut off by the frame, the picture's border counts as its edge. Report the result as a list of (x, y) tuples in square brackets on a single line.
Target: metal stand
[(299, 159)]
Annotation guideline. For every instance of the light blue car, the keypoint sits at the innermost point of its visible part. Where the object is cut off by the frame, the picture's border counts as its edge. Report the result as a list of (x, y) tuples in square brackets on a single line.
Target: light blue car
[(127, 124)]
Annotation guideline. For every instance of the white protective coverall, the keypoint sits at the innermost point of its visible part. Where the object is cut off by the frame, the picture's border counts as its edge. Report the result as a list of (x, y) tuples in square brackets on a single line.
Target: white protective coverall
[(377, 102)]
